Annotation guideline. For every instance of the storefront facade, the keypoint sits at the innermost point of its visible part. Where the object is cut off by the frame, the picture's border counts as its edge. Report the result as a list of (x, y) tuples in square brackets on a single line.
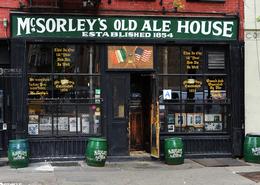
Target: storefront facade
[(133, 80)]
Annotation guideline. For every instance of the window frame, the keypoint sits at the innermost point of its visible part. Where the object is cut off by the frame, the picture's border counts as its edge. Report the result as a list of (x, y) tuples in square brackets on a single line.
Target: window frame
[(77, 102)]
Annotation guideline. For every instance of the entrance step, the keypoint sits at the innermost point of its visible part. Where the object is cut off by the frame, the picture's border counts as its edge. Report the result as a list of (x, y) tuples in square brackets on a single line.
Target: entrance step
[(134, 156), (3, 161)]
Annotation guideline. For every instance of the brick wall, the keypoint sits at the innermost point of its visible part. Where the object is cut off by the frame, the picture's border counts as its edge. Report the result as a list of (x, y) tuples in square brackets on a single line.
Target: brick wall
[(136, 7), (5, 7)]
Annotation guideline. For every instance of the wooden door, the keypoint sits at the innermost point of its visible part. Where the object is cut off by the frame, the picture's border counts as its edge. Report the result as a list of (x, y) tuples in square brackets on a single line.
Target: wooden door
[(117, 98)]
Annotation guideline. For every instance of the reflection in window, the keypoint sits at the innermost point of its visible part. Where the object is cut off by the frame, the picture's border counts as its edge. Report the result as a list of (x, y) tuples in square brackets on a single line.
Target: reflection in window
[(87, 86), (39, 58), (169, 58)]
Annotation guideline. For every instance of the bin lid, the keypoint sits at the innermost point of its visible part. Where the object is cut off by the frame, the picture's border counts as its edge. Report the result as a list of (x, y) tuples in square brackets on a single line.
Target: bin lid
[(172, 138), (18, 140), (253, 134)]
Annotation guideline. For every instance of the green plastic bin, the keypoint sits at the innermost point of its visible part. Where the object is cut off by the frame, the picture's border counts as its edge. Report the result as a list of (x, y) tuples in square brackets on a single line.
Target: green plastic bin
[(252, 148), (18, 153), (173, 150), (96, 152)]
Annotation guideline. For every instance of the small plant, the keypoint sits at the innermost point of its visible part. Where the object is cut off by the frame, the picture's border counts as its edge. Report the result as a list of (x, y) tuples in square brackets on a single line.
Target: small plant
[(178, 4)]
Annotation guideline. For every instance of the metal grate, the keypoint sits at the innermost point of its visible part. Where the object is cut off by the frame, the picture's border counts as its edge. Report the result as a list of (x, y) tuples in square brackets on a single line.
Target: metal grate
[(216, 60)]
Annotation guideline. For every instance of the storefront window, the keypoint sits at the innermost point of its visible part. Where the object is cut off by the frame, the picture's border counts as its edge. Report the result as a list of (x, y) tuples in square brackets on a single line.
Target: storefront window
[(199, 98), (64, 93)]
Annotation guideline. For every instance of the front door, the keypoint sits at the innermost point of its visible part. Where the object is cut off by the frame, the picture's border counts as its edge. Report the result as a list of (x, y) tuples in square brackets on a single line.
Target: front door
[(117, 98)]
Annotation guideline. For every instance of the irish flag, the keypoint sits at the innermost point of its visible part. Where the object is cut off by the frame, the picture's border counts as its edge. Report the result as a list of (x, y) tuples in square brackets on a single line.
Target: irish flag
[(118, 56)]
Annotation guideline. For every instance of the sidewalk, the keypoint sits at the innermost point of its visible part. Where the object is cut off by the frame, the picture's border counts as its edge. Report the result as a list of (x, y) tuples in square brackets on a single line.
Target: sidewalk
[(126, 173)]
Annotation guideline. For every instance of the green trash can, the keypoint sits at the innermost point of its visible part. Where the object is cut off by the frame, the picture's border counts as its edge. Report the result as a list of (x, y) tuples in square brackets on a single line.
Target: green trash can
[(18, 153), (173, 150), (252, 148), (96, 152)]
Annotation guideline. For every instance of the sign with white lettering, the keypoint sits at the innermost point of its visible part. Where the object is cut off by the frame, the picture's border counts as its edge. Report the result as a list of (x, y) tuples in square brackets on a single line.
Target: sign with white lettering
[(147, 28)]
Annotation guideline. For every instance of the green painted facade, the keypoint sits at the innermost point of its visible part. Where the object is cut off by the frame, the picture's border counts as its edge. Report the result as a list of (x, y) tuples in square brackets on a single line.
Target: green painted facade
[(131, 28)]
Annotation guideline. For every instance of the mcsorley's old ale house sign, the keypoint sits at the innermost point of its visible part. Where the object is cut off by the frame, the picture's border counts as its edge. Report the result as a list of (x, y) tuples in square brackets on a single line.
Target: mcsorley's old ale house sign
[(145, 28)]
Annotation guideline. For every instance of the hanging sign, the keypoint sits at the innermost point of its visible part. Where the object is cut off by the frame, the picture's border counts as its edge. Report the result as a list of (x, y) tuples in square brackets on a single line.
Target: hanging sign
[(112, 27)]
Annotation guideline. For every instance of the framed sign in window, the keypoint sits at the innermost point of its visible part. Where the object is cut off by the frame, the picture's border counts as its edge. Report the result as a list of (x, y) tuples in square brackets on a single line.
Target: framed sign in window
[(130, 57)]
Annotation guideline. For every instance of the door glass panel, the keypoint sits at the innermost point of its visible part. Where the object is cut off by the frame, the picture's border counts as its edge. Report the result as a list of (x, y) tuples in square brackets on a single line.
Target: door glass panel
[(118, 98)]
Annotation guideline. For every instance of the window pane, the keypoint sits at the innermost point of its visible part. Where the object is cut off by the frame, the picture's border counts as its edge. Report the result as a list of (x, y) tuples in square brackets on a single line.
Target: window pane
[(215, 118), (172, 83), (216, 88), (64, 58), (192, 60), (39, 58), (169, 118), (64, 86), (89, 87), (88, 60), (39, 86), (65, 120), (194, 118), (90, 116), (40, 119), (192, 88), (169, 60)]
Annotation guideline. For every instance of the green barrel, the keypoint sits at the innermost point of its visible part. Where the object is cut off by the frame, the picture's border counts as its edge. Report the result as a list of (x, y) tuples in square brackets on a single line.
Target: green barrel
[(173, 150), (252, 148), (18, 153), (96, 152)]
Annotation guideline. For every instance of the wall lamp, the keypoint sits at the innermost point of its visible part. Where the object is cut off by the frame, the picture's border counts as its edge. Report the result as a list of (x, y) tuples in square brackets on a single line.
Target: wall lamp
[(5, 22)]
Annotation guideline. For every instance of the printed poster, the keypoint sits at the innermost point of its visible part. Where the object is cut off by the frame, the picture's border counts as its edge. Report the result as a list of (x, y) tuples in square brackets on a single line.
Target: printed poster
[(85, 123), (45, 123), (33, 129), (63, 123), (73, 124)]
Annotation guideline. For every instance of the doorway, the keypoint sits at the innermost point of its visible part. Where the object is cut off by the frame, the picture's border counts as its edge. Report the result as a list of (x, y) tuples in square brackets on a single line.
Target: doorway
[(129, 99), (139, 112)]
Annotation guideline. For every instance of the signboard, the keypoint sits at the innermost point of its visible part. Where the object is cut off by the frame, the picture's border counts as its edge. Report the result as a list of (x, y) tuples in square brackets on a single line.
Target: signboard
[(167, 94), (113, 27), (130, 57)]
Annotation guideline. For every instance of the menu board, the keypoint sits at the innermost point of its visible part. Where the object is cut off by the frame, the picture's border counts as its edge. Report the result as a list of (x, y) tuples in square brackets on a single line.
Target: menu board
[(63, 56), (38, 86), (192, 59)]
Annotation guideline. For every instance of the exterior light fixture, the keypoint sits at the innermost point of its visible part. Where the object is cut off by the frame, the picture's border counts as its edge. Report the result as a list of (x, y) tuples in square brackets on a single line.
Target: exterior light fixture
[(5, 22)]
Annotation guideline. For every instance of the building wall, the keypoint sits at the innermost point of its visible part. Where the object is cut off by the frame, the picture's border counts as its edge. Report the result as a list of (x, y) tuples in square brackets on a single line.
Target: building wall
[(5, 7), (252, 66), (137, 7)]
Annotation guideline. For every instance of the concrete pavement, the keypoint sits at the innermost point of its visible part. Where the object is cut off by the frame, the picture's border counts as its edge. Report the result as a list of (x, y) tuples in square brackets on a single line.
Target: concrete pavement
[(126, 173)]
